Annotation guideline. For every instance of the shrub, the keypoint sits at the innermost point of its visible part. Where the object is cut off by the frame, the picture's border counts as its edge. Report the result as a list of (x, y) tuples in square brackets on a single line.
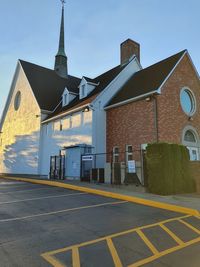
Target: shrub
[(168, 169)]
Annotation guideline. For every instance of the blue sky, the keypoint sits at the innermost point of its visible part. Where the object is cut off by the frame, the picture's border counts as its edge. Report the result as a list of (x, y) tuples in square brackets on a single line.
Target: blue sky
[(94, 30)]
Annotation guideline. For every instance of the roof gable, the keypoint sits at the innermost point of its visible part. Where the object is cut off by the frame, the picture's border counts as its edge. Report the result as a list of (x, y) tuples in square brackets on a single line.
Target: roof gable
[(47, 85), (146, 80)]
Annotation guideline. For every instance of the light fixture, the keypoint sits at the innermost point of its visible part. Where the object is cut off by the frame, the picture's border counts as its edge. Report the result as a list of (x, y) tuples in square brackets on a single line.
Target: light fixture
[(148, 99), (86, 109), (190, 118)]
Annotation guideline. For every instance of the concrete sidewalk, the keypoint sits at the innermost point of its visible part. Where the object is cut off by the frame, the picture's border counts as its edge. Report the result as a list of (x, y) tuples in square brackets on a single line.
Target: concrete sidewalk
[(187, 203)]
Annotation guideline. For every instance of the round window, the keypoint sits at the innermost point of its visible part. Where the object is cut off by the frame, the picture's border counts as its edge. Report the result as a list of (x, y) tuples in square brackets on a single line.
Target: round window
[(187, 102), (17, 100)]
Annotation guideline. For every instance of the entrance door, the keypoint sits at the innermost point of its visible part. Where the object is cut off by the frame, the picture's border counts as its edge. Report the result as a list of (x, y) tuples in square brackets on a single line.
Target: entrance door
[(57, 167)]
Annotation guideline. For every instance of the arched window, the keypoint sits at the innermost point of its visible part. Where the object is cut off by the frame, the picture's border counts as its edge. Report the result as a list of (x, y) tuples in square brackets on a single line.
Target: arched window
[(191, 141), (189, 137)]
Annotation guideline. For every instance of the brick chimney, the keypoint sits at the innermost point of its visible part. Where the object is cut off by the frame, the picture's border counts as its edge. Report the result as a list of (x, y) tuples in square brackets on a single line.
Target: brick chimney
[(128, 49)]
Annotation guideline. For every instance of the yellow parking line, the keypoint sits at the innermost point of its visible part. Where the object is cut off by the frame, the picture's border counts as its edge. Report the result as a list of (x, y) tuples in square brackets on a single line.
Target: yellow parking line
[(176, 238), (190, 226), (49, 256), (52, 260), (142, 201), (163, 253), (114, 253), (75, 257), (147, 242), (53, 252)]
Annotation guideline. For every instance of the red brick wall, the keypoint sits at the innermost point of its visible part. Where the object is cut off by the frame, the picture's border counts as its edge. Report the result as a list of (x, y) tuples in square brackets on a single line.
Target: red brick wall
[(131, 124), (134, 123), (171, 117), (128, 49)]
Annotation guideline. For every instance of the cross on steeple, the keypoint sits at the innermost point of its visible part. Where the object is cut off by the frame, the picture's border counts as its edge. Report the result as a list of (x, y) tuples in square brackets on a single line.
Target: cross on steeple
[(63, 2), (61, 58)]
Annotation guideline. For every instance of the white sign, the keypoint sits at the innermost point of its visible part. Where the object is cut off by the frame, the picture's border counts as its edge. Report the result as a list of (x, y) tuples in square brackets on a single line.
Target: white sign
[(131, 166), (87, 158)]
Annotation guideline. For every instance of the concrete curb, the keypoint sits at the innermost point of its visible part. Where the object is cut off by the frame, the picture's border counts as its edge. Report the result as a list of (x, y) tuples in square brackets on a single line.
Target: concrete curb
[(137, 200)]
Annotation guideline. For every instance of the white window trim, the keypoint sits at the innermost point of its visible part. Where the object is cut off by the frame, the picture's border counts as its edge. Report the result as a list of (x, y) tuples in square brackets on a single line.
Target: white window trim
[(191, 145), (65, 99), (191, 149), (128, 153), (193, 99), (115, 154), (83, 87)]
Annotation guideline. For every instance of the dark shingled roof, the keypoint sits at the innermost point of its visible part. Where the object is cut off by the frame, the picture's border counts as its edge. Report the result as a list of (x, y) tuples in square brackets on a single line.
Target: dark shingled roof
[(147, 80), (47, 86), (88, 79), (103, 80)]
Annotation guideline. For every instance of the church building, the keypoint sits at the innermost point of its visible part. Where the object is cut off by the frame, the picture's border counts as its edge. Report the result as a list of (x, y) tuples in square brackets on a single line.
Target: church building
[(51, 115)]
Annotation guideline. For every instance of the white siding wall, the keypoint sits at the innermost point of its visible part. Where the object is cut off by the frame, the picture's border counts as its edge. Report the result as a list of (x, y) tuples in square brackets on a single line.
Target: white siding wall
[(99, 136), (76, 129), (21, 130)]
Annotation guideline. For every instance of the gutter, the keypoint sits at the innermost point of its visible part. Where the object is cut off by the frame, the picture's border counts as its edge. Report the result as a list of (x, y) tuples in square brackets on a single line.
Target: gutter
[(158, 91), (155, 111), (66, 113), (132, 99)]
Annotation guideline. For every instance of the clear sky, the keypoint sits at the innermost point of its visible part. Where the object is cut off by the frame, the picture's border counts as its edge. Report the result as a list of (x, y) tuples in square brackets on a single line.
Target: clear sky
[(94, 30)]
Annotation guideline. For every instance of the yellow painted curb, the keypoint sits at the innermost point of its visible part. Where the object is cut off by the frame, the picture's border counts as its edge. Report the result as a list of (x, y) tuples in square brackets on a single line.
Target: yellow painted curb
[(146, 202)]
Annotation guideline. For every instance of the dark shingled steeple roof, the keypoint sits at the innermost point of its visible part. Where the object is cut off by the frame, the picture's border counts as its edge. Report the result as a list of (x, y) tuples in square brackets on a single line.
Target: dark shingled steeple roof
[(47, 85), (147, 80)]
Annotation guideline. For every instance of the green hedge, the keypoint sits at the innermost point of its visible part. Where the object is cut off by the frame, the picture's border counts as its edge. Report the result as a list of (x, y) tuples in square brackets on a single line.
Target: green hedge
[(168, 169)]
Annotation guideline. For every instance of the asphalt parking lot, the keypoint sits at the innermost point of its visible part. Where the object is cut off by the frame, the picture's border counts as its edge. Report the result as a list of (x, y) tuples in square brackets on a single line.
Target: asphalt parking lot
[(49, 226)]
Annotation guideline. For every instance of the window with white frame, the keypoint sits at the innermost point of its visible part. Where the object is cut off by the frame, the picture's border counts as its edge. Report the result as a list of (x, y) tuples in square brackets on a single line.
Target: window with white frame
[(57, 126), (190, 140), (65, 98), (76, 120), (115, 154), (188, 101), (129, 153), (87, 117), (66, 123), (194, 153), (83, 91)]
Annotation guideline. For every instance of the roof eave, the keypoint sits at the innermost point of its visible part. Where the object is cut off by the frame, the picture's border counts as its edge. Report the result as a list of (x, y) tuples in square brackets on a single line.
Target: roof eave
[(169, 75), (193, 64), (133, 99), (66, 113)]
